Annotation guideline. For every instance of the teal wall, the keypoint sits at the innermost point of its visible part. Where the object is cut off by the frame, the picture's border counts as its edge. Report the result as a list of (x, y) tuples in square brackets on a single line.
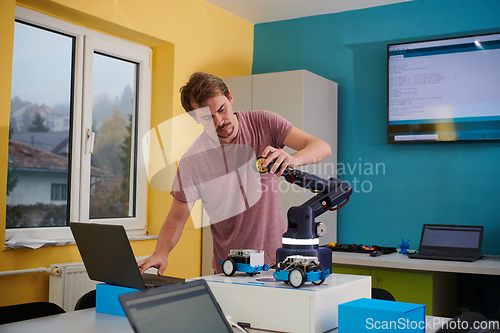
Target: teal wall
[(451, 183)]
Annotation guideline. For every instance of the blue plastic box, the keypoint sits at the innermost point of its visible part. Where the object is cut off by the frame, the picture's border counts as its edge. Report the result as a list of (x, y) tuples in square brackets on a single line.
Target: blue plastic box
[(373, 315), (107, 298)]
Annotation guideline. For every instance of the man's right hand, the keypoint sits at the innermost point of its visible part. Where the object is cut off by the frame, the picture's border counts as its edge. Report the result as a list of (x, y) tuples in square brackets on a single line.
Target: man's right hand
[(158, 261)]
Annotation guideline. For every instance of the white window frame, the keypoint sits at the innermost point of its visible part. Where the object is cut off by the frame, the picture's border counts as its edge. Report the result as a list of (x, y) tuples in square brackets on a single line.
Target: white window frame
[(86, 42)]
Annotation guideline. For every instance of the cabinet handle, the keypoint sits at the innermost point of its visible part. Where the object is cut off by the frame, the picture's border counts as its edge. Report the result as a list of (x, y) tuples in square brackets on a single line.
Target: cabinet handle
[(376, 281)]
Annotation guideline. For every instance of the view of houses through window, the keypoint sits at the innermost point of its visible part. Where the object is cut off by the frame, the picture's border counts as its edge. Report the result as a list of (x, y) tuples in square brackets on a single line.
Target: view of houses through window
[(40, 133), (113, 121)]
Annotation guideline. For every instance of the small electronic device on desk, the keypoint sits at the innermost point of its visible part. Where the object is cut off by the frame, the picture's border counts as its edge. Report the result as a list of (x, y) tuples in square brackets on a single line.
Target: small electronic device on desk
[(373, 250), (248, 261), (298, 269), (376, 253)]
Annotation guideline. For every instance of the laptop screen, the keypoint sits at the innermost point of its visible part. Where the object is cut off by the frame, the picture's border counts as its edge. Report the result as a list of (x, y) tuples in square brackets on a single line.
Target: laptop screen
[(187, 307), (451, 240), (449, 236)]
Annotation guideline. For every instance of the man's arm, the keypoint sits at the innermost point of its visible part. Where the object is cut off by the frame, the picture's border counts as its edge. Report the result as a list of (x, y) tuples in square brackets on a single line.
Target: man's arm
[(310, 150), (170, 233)]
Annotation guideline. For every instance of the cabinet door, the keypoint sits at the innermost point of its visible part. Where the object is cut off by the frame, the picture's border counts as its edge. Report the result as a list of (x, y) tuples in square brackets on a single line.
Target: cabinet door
[(282, 93), (309, 102), (241, 91), (351, 271), (406, 287)]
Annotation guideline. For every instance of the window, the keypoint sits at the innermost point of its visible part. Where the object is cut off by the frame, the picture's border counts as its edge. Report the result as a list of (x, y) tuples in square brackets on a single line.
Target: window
[(114, 150), (58, 192), (80, 104)]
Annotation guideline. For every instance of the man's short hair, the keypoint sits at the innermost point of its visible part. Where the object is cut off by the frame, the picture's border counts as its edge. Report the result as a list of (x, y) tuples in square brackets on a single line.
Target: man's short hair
[(200, 87)]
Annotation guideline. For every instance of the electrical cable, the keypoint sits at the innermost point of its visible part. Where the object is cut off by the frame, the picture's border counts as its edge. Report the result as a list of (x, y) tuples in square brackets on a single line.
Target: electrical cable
[(238, 327), (338, 207)]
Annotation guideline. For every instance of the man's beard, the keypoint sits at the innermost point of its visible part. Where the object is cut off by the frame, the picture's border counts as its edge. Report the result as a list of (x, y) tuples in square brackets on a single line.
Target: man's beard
[(228, 133)]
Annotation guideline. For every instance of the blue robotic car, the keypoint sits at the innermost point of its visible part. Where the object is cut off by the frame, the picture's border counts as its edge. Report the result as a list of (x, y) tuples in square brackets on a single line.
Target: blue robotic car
[(297, 270), (248, 261)]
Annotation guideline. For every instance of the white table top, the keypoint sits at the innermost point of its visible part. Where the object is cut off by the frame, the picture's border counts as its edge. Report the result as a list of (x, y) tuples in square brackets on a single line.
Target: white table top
[(83, 321), (488, 266), (75, 322), (88, 321)]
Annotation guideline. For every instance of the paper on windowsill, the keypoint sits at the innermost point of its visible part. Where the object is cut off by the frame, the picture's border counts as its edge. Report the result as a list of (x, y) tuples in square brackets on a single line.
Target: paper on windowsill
[(21, 240)]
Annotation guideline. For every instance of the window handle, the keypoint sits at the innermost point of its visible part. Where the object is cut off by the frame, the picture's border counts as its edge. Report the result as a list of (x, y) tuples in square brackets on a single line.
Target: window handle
[(90, 138)]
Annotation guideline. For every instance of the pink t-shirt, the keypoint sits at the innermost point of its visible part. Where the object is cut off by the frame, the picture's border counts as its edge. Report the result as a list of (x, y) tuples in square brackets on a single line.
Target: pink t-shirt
[(243, 206)]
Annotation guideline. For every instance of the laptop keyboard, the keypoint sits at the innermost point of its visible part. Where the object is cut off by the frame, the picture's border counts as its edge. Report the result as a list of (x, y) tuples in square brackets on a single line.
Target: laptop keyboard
[(151, 282), (442, 257)]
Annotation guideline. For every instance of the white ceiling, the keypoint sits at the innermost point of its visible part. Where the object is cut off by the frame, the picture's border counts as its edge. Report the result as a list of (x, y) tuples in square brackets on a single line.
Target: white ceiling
[(260, 11)]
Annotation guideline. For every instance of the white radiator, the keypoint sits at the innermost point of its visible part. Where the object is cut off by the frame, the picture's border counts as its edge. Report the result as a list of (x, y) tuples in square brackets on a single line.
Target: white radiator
[(72, 283)]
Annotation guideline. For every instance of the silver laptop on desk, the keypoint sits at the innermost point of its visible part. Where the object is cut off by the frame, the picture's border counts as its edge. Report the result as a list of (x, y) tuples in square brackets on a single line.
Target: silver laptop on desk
[(188, 307), (108, 256), (450, 242)]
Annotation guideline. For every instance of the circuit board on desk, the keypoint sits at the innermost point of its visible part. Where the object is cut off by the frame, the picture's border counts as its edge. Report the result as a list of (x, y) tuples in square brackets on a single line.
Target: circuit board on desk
[(359, 248)]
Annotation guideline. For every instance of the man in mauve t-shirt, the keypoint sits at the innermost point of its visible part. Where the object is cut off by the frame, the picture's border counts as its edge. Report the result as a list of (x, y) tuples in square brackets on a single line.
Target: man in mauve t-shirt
[(243, 205)]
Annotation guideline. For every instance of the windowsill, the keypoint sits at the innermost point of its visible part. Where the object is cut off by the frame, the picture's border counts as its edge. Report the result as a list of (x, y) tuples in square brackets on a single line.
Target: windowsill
[(64, 242)]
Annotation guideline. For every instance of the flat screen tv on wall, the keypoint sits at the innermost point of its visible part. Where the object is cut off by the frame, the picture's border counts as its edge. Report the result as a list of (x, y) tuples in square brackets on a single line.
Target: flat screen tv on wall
[(444, 90)]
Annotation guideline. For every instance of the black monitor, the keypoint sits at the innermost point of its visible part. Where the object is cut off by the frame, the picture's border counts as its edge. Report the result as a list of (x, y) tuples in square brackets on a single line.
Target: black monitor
[(444, 90)]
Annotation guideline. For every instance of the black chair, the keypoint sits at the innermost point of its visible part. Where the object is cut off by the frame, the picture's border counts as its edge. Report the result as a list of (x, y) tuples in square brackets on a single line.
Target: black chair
[(25, 311), (87, 301), (382, 294)]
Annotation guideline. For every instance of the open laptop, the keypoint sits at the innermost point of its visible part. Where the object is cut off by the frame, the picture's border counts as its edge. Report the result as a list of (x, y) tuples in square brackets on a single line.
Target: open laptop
[(108, 256), (450, 242), (188, 307)]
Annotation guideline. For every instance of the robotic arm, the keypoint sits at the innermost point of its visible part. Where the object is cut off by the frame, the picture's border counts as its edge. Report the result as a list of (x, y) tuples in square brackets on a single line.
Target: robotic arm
[(303, 231), (330, 193)]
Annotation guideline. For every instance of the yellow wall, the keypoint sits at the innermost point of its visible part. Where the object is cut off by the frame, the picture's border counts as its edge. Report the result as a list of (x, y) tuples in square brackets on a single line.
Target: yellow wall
[(186, 36)]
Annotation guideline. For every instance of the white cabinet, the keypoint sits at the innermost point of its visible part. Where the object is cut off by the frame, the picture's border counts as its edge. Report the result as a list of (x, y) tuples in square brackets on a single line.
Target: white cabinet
[(309, 102)]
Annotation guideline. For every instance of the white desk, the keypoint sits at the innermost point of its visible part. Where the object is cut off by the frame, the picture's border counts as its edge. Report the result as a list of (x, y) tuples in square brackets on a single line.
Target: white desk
[(88, 321), (430, 282), (75, 322), (267, 304), (489, 266)]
